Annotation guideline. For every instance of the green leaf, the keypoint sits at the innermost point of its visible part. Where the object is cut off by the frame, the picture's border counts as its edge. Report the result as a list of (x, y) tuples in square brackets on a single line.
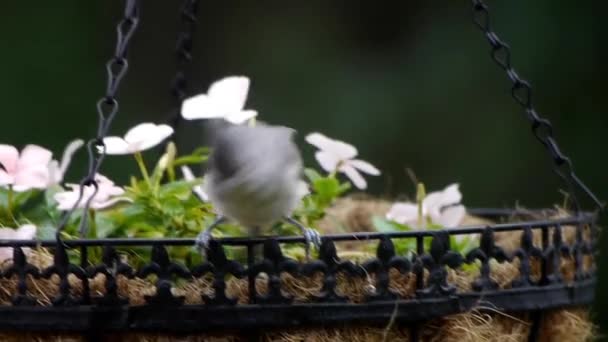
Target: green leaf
[(312, 174), (46, 231), (405, 247), (188, 160), (201, 151), (327, 188), (179, 189), (172, 206), (387, 226)]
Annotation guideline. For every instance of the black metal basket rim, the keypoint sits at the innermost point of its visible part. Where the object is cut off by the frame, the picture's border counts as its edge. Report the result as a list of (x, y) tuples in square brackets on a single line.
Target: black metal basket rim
[(205, 318), (582, 218)]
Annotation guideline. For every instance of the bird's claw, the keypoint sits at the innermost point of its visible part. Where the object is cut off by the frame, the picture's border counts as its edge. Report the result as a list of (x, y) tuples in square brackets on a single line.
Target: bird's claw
[(312, 237), (202, 240)]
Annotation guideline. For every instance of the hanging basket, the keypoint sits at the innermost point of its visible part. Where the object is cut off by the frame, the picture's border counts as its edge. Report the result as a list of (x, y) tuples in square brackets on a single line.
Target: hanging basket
[(531, 276)]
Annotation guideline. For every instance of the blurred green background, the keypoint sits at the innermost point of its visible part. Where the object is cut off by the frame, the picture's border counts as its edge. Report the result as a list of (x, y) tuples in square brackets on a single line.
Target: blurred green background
[(409, 83)]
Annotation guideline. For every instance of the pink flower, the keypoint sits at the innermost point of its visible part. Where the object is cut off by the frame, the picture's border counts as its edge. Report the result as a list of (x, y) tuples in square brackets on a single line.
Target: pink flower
[(25, 171), (104, 198), (25, 232), (34, 169), (337, 156)]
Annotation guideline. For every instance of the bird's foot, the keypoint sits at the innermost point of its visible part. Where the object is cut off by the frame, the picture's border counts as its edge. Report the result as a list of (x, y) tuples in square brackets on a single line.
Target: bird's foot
[(202, 240), (312, 238)]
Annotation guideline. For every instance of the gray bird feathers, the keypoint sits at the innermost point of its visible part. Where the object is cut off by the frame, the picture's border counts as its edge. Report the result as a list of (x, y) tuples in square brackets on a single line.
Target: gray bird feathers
[(253, 172)]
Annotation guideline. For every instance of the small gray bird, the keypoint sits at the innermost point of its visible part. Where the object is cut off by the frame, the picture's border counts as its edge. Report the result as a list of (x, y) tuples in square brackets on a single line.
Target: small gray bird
[(254, 177)]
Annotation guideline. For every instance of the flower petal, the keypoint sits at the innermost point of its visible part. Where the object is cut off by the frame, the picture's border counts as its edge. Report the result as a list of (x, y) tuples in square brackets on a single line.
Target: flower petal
[(34, 177), (6, 179), (106, 204), (327, 161), (451, 216), (26, 232), (140, 133), (32, 156), (200, 107), (66, 200), (436, 200), (69, 151), (364, 166), (187, 172), (55, 175), (403, 213), (160, 133), (354, 176), (197, 189), (451, 195), (9, 156), (240, 117), (340, 149), (116, 145), (230, 93)]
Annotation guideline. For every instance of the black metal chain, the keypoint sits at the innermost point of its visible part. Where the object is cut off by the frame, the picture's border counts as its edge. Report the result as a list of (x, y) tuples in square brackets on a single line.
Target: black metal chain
[(183, 52), (521, 91), (107, 108)]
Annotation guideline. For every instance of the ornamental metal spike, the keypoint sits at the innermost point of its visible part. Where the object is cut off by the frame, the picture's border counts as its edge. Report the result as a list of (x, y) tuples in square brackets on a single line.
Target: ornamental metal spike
[(524, 254), (220, 266), (164, 269), (63, 268), (579, 250), (329, 264), (486, 251), (386, 259), (273, 264), (436, 262), (21, 268), (554, 254), (110, 267)]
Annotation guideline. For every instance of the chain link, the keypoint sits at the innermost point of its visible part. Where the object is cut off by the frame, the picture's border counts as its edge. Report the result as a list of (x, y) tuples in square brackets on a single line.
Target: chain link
[(521, 91), (107, 107), (183, 51)]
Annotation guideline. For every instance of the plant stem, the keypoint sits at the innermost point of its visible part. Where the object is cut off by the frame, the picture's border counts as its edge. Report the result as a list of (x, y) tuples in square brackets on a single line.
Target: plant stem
[(9, 206), (95, 252), (420, 195), (92, 224), (142, 168)]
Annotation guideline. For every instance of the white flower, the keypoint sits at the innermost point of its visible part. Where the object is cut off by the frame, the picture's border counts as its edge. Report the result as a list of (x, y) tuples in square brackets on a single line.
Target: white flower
[(105, 196), (197, 189), (335, 155), (25, 232), (139, 138), (25, 171), (440, 207), (225, 99)]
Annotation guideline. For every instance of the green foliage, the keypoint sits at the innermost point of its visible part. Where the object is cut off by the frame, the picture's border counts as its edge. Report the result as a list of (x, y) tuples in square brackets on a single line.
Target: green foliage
[(325, 190), (407, 246)]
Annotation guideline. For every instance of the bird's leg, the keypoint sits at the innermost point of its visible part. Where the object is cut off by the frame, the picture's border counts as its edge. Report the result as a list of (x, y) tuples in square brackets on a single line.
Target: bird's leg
[(312, 236), (202, 240)]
